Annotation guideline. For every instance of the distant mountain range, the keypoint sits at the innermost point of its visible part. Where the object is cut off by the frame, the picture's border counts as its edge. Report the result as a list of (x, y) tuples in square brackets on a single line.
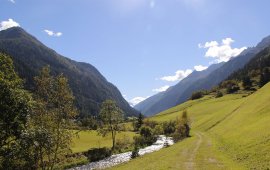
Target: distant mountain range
[(89, 87), (203, 80)]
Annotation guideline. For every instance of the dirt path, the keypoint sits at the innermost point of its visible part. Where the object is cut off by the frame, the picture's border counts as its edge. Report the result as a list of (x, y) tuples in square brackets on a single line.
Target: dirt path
[(191, 163), (201, 154)]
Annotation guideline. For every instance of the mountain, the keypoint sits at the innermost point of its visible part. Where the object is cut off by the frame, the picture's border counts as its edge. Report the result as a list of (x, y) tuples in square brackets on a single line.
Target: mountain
[(256, 72), (169, 98), (212, 77), (89, 87)]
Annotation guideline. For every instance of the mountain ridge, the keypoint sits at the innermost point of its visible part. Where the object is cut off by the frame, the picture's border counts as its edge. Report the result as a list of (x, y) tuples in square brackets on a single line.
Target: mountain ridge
[(205, 83), (89, 86)]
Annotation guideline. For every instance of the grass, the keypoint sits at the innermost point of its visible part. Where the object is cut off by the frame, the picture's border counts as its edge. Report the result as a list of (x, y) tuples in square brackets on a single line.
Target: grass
[(88, 139), (231, 132)]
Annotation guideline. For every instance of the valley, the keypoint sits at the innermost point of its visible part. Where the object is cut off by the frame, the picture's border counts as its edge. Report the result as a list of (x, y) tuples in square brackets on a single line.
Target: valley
[(134, 85)]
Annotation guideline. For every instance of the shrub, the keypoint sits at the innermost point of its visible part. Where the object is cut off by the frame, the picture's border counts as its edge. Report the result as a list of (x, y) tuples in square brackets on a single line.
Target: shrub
[(146, 137), (150, 123), (232, 88), (196, 95), (135, 153), (219, 94), (97, 154), (169, 127), (158, 130), (122, 144), (247, 83), (146, 131), (230, 85)]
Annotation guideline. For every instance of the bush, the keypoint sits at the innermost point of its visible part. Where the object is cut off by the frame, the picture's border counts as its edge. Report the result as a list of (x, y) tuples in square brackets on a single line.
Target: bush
[(196, 95), (230, 85), (158, 130), (232, 88), (247, 83), (145, 139), (123, 144), (150, 123), (169, 127), (135, 153), (97, 154), (146, 131), (219, 94)]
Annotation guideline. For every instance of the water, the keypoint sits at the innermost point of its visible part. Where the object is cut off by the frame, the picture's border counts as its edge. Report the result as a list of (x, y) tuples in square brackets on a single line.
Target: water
[(125, 157)]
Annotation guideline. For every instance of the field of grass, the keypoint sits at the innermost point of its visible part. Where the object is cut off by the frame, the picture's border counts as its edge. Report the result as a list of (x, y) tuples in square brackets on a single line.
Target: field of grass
[(231, 132), (88, 139)]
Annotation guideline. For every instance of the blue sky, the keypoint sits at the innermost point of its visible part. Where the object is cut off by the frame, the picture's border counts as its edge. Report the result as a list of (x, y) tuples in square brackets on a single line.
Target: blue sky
[(139, 45)]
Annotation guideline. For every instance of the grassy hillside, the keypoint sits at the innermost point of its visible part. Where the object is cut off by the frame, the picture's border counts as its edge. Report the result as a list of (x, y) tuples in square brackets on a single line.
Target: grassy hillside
[(90, 139), (228, 132)]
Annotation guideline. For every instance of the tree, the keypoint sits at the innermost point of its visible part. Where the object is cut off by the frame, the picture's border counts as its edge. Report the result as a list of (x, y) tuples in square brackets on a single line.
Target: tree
[(182, 128), (53, 117), (15, 108), (186, 123), (139, 122), (231, 86), (265, 77), (247, 83), (111, 116)]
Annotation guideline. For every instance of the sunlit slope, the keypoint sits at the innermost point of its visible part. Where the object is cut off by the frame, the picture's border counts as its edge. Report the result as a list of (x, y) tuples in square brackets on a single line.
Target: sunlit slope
[(241, 125), (230, 132)]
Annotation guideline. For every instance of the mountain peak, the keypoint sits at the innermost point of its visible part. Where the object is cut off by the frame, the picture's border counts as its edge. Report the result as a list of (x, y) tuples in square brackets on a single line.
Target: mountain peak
[(264, 43), (89, 87)]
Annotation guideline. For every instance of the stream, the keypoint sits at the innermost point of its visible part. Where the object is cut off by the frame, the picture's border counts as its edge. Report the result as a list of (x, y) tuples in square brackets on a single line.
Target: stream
[(125, 157)]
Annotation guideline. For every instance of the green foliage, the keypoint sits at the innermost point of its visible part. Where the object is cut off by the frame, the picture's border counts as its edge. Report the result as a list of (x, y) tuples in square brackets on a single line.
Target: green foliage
[(138, 124), (135, 152), (123, 144), (169, 127), (150, 123), (219, 94), (158, 130), (231, 86), (89, 122), (146, 138), (15, 106), (111, 116), (256, 72), (247, 83), (146, 131), (265, 77), (196, 95), (52, 118), (96, 154)]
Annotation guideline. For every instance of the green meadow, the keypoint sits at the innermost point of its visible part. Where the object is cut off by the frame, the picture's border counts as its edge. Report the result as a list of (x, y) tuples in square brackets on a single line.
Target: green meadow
[(87, 139), (231, 132)]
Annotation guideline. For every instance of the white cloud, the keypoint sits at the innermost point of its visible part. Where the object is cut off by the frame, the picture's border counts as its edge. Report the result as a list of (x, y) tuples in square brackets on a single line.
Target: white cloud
[(136, 100), (8, 24), (179, 75), (54, 34), (161, 89), (221, 52), (200, 68), (12, 1)]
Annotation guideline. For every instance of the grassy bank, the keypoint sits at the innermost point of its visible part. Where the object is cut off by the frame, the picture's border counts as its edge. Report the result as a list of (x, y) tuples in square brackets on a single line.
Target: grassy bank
[(228, 132)]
